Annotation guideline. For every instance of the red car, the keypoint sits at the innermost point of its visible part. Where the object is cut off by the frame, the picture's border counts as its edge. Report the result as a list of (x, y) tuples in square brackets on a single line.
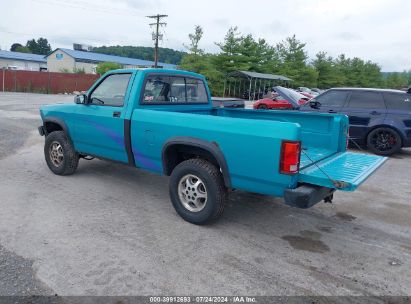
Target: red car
[(280, 103), (273, 103)]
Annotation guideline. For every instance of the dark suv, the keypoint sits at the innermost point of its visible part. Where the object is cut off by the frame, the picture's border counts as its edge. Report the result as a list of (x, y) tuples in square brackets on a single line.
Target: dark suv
[(379, 119)]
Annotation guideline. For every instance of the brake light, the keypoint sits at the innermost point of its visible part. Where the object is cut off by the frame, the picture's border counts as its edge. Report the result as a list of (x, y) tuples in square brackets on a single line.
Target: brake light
[(290, 157)]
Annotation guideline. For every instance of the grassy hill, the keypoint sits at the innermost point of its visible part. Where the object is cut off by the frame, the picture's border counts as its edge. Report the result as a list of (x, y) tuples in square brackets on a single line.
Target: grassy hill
[(166, 55)]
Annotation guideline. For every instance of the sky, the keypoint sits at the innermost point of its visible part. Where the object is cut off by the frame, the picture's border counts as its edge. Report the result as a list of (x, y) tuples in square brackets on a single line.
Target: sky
[(376, 30)]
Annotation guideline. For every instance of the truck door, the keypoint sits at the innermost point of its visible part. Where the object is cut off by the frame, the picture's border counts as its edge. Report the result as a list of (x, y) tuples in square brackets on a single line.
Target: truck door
[(365, 109), (99, 127)]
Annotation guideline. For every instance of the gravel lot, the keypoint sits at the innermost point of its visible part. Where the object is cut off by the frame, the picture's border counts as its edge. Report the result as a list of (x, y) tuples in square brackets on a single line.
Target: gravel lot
[(111, 230)]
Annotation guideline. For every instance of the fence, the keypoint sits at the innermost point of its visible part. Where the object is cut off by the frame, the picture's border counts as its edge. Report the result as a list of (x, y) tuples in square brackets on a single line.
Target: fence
[(44, 82)]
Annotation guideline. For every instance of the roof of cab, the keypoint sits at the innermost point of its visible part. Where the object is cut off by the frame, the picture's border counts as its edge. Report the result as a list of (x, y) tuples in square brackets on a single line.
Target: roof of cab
[(159, 71)]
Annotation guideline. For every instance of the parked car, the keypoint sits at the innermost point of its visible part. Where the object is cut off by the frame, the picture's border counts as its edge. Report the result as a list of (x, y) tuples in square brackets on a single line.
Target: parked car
[(163, 121), (379, 119), (308, 95), (317, 90), (280, 102), (305, 90)]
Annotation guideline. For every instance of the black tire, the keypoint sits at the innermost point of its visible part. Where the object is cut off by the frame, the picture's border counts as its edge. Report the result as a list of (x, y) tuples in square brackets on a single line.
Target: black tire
[(70, 158), (384, 141), (262, 107), (214, 188)]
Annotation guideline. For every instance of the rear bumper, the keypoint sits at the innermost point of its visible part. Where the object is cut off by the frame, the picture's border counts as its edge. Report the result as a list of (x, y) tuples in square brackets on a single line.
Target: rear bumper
[(306, 196)]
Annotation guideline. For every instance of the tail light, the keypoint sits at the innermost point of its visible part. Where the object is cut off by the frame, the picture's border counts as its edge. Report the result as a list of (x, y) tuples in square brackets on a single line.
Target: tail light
[(290, 157)]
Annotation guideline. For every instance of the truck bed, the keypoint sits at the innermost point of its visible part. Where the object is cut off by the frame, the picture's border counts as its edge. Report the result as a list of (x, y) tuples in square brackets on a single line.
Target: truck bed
[(318, 130)]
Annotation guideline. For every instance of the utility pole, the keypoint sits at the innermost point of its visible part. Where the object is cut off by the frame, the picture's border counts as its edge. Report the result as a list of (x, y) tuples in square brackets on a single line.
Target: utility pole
[(156, 35)]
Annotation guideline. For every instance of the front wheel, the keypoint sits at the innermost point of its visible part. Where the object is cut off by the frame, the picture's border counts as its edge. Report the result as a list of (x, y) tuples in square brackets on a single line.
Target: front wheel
[(197, 191), (60, 155), (384, 141), (262, 107)]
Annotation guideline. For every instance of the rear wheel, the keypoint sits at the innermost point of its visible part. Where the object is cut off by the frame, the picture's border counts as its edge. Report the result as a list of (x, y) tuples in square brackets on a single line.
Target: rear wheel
[(384, 141), (60, 155), (197, 191), (262, 107)]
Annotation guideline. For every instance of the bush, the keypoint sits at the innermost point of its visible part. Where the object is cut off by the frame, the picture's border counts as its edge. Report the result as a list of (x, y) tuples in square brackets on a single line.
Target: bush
[(104, 67)]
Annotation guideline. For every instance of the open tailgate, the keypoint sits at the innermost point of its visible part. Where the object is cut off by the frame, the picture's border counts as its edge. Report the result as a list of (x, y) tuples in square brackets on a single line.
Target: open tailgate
[(343, 171)]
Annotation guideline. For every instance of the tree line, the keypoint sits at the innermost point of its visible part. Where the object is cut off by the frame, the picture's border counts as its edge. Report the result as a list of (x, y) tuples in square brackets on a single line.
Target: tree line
[(141, 52), (41, 46), (288, 58)]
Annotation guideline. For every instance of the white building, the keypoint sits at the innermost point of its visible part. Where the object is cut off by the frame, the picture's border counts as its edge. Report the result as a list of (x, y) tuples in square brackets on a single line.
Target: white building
[(22, 61), (66, 60)]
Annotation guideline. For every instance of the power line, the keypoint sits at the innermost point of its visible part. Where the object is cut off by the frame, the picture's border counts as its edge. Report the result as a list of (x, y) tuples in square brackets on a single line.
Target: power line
[(156, 35), (84, 6)]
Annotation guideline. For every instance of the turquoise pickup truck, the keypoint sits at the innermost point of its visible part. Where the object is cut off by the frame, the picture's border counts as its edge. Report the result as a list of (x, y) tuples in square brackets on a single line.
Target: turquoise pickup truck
[(163, 121)]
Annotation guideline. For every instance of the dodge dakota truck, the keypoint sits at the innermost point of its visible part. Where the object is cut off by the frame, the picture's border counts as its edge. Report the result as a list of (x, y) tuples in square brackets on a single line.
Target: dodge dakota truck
[(163, 121)]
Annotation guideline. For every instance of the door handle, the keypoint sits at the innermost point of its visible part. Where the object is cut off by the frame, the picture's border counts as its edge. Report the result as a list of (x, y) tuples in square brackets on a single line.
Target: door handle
[(116, 114), (332, 111)]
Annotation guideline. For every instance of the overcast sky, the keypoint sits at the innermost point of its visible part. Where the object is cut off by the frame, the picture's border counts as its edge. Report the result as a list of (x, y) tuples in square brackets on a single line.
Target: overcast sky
[(377, 30)]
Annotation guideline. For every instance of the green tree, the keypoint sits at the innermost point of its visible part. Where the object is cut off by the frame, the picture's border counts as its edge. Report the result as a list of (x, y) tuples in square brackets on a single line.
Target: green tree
[(195, 38), (166, 55), (199, 62), (397, 80), (328, 75), (293, 62), (104, 67), (23, 49), (229, 58), (14, 46), (40, 47), (256, 56)]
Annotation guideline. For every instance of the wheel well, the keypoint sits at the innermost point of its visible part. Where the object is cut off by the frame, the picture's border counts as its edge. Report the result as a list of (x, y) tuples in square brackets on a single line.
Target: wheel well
[(177, 153), (50, 126), (389, 127)]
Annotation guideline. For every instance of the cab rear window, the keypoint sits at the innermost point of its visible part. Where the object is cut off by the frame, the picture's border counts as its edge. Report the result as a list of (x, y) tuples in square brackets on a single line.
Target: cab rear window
[(161, 89)]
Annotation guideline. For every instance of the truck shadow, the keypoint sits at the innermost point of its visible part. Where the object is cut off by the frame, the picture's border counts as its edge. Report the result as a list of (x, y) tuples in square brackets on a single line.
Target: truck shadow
[(258, 214)]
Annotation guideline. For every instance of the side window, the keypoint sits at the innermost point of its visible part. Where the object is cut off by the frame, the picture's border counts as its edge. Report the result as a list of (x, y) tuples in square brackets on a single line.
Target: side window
[(170, 89), (112, 91), (398, 101), (196, 91), (333, 99), (366, 100)]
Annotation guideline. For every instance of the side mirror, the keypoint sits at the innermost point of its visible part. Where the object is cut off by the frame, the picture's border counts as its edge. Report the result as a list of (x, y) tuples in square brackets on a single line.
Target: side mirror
[(314, 104), (80, 99)]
